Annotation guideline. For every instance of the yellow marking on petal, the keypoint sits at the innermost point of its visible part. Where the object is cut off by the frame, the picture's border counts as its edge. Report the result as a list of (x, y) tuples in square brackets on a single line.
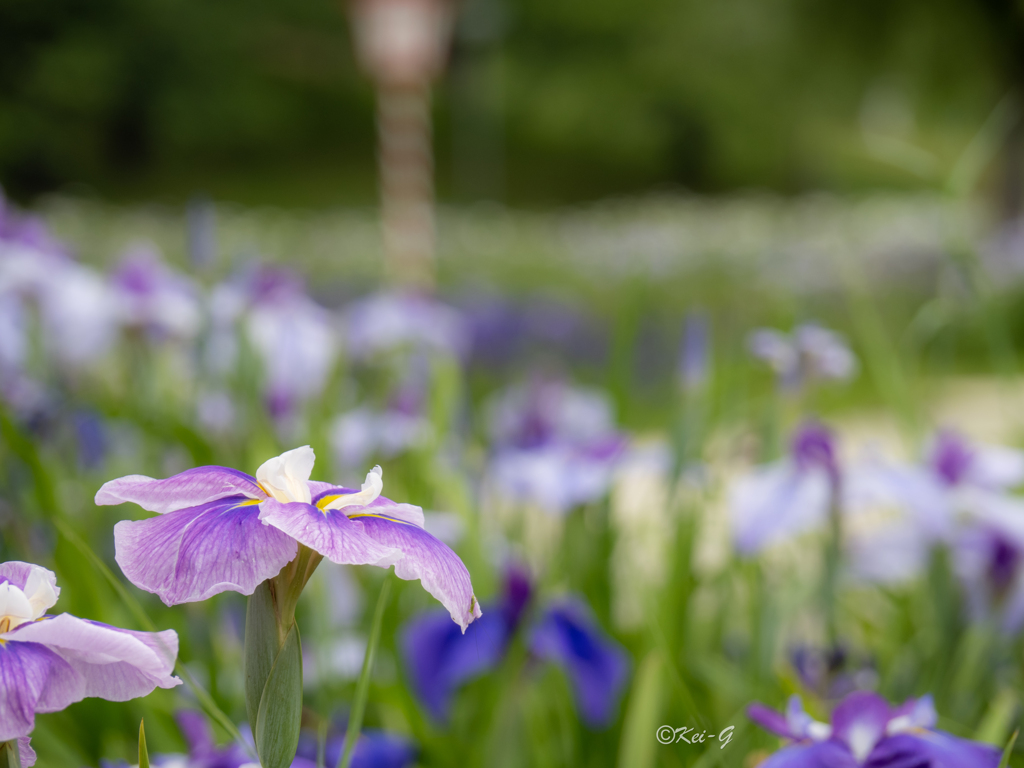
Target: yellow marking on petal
[(249, 502), (327, 500), (380, 517)]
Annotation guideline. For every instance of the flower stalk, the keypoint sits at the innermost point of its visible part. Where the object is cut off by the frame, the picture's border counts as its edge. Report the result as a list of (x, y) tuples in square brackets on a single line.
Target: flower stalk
[(355, 720)]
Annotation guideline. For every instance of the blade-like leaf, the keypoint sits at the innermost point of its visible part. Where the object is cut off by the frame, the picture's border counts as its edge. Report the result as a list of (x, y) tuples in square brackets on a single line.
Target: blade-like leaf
[(280, 712), (1009, 749), (637, 748), (260, 647), (143, 752)]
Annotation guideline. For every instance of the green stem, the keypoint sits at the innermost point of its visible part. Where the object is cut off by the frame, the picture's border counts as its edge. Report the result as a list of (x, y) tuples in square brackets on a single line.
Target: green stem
[(355, 720), (833, 555), (10, 754)]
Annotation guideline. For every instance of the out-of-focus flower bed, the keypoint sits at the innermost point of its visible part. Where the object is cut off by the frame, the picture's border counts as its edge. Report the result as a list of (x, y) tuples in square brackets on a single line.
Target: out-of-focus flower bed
[(677, 490)]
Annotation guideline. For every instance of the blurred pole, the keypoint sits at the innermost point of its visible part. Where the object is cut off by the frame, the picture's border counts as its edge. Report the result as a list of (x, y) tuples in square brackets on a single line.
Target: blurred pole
[(403, 45)]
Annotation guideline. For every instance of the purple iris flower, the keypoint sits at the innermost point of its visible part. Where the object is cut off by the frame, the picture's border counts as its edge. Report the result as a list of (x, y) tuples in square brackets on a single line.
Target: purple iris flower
[(810, 353), (440, 660), (219, 529), (375, 749), (832, 673), (957, 478), (988, 554), (866, 732), (155, 298), (48, 662), (789, 497), (388, 322), (596, 665), (555, 445)]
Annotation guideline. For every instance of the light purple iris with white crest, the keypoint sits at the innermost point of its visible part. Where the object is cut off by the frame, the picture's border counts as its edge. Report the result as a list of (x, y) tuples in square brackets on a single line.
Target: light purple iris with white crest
[(788, 497), (809, 353), (48, 662), (555, 445), (221, 530), (866, 732)]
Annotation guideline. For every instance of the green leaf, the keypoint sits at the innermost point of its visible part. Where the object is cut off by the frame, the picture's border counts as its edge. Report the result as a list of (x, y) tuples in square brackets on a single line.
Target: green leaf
[(638, 745), (260, 647), (143, 752), (998, 719), (1009, 750), (280, 712)]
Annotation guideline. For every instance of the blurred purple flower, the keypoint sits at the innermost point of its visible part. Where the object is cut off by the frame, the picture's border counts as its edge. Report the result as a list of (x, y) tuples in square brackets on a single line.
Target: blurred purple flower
[(153, 297), (832, 673), (554, 445), (788, 497), (866, 732), (363, 433), (48, 662), (387, 322), (811, 353), (596, 665), (375, 749), (440, 659), (91, 438), (219, 529)]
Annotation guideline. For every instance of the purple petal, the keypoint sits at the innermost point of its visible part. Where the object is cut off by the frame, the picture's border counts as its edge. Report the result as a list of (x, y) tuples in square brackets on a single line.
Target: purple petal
[(770, 719), (26, 753), (932, 748), (330, 533), (191, 488), (197, 733), (597, 666), (115, 664), (776, 503), (33, 679), (407, 513), (195, 553), (860, 721), (426, 558), (16, 572), (823, 754)]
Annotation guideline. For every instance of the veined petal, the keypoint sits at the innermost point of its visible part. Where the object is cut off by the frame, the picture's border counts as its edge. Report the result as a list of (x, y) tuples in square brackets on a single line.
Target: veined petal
[(19, 574), (25, 752), (193, 554), (114, 664), (191, 488), (430, 560), (330, 533), (33, 679)]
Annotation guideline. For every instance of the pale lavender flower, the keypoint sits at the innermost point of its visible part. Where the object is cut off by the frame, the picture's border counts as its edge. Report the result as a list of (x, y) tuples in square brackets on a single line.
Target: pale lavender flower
[(219, 529), (810, 353), (388, 322), (48, 662), (789, 497), (362, 433), (554, 445), (153, 297), (866, 732)]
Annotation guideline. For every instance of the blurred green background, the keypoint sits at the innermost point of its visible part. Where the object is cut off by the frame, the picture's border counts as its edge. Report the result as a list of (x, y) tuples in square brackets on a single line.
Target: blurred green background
[(261, 102)]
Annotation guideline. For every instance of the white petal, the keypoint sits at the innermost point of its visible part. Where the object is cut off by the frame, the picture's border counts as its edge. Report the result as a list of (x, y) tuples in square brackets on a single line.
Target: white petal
[(286, 477), (371, 489), (40, 589)]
